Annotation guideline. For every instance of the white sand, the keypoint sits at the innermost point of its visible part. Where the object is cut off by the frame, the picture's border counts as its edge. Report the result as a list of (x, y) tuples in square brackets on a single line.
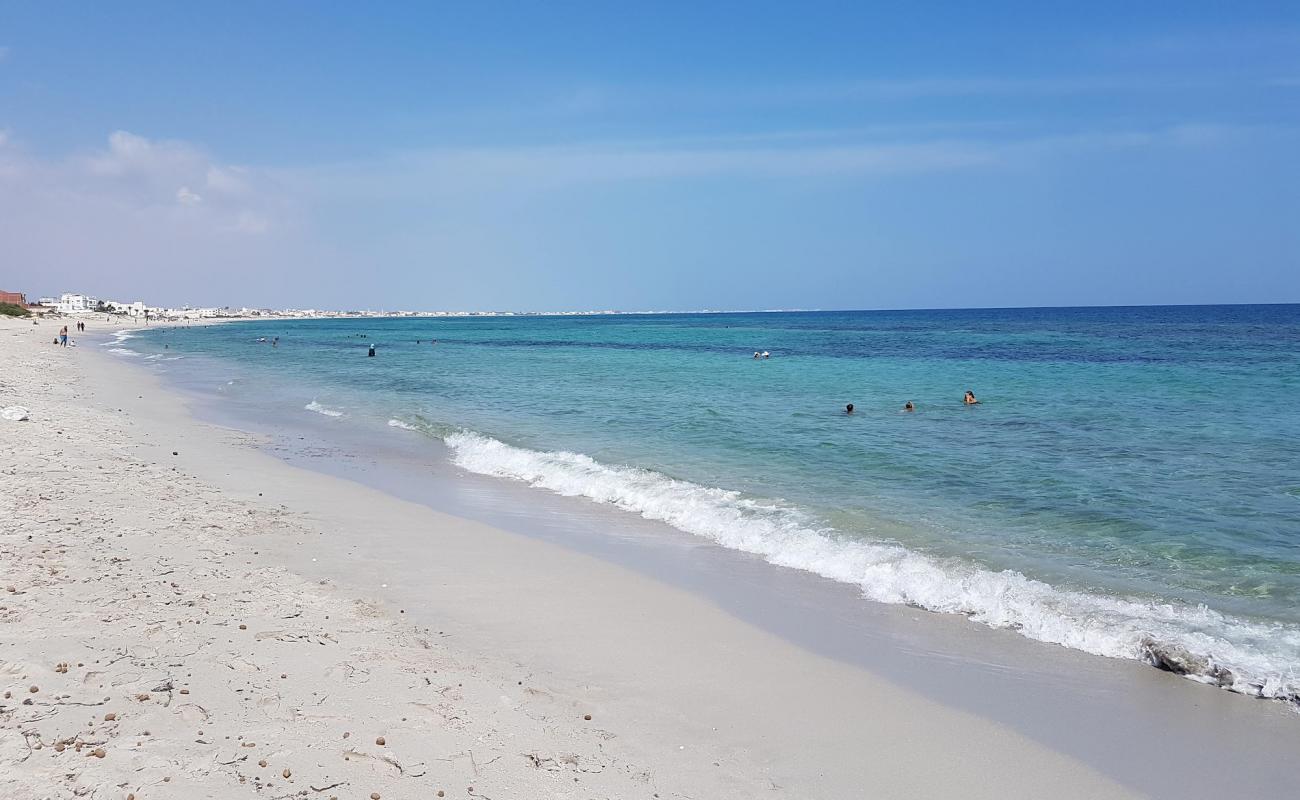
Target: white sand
[(194, 654)]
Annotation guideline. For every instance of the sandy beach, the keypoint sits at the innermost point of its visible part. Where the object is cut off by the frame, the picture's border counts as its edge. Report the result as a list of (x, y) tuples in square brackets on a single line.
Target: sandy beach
[(187, 616)]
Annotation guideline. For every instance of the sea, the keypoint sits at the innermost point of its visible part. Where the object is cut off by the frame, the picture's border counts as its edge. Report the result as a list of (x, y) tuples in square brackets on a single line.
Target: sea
[(1128, 484)]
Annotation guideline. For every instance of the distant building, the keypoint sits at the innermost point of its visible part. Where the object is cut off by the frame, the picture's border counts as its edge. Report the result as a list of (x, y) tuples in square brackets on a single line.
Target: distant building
[(14, 298), (76, 304)]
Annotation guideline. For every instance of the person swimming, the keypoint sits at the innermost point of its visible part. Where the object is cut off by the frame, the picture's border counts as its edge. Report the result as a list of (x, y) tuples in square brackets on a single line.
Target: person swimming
[(757, 354), (848, 409), (969, 399), (371, 354), (908, 406)]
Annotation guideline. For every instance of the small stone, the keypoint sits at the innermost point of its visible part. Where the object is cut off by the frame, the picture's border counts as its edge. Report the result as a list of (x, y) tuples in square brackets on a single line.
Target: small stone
[(374, 796), (185, 691), (34, 689), (346, 734), (286, 772), (587, 717), (441, 793), (380, 741), (175, 453), (98, 752), (109, 717), (262, 763), (284, 675), (243, 627)]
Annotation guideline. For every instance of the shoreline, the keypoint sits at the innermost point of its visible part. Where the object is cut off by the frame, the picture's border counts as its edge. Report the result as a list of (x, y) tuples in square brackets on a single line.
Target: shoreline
[(686, 698), (1066, 699)]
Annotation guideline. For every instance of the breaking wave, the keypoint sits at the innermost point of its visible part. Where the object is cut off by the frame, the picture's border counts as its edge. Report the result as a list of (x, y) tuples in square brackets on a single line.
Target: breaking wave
[(1251, 657), (321, 409)]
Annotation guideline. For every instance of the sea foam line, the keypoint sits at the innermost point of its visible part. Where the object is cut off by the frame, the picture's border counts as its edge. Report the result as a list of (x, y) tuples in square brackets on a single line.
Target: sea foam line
[(1253, 658), (321, 409)]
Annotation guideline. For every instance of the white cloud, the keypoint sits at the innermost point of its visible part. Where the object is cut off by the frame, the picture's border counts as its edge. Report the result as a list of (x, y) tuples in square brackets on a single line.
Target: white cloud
[(140, 215)]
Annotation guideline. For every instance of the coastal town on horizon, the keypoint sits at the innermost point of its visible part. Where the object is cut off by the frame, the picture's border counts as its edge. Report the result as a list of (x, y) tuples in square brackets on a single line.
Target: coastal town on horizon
[(73, 304)]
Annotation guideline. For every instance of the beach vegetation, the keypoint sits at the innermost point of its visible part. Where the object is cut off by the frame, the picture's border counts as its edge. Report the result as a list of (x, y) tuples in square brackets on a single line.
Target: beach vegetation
[(13, 310)]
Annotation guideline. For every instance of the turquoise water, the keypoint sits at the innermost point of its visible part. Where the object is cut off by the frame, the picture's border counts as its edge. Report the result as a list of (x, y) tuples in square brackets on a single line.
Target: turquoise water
[(1128, 485)]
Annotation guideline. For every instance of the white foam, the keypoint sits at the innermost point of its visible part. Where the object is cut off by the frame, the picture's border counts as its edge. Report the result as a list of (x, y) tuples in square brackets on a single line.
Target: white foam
[(1251, 657), (119, 337), (320, 409), (122, 351), (406, 426)]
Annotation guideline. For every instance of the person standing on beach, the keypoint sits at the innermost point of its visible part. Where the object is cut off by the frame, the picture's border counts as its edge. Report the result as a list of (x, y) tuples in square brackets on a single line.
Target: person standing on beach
[(63, 336)]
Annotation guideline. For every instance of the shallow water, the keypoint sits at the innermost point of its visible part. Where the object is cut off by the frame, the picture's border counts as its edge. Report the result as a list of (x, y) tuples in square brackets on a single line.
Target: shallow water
[(1128, 478)]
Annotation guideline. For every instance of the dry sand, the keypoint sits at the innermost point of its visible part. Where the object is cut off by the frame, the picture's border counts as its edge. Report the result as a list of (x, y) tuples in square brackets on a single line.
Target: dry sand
[(155, 642)]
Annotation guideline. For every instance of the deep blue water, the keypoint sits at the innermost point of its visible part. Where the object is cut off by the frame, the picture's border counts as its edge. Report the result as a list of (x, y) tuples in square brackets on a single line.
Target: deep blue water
[(1130, 475)]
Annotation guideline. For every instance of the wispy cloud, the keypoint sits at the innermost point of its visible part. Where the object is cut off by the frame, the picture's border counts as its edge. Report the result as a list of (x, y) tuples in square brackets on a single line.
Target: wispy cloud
[(820, 154), (168, 205), (137, 215)]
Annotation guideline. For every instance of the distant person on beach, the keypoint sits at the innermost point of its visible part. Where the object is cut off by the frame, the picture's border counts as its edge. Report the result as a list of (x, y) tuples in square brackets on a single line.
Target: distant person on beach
[(372, 351), (63, 336), (848, 409), (908, 406), (969, 399)]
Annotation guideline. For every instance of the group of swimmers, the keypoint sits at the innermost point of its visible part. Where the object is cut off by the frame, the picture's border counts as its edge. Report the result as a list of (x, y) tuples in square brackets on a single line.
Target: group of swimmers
[(968, 399), (763, 354)]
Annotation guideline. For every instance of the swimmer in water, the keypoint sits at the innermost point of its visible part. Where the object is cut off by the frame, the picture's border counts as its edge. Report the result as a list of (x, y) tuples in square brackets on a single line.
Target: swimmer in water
[(848, 409), (371, 354), (757, 354), (969, 399), (908, 406)]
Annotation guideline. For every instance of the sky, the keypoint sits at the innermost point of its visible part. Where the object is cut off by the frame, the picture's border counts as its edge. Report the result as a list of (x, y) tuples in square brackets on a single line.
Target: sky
[(674, 156)]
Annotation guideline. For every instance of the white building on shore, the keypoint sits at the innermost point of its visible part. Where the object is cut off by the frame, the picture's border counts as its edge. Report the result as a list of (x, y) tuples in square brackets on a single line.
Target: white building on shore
[(75, 304)]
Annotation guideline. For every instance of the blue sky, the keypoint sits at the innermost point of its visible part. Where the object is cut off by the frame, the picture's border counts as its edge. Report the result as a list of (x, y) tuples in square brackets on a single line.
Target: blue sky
[(669, 156)]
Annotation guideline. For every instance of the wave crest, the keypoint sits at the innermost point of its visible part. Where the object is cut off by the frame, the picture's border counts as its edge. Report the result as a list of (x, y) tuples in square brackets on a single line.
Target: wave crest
[(321, 409), (1254, 658)]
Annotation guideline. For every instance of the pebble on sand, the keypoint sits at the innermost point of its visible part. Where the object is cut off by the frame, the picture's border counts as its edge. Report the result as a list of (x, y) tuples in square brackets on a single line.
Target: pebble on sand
[(374, 796), (34, 689), (380, 741), (286, 772), (110, 716)]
